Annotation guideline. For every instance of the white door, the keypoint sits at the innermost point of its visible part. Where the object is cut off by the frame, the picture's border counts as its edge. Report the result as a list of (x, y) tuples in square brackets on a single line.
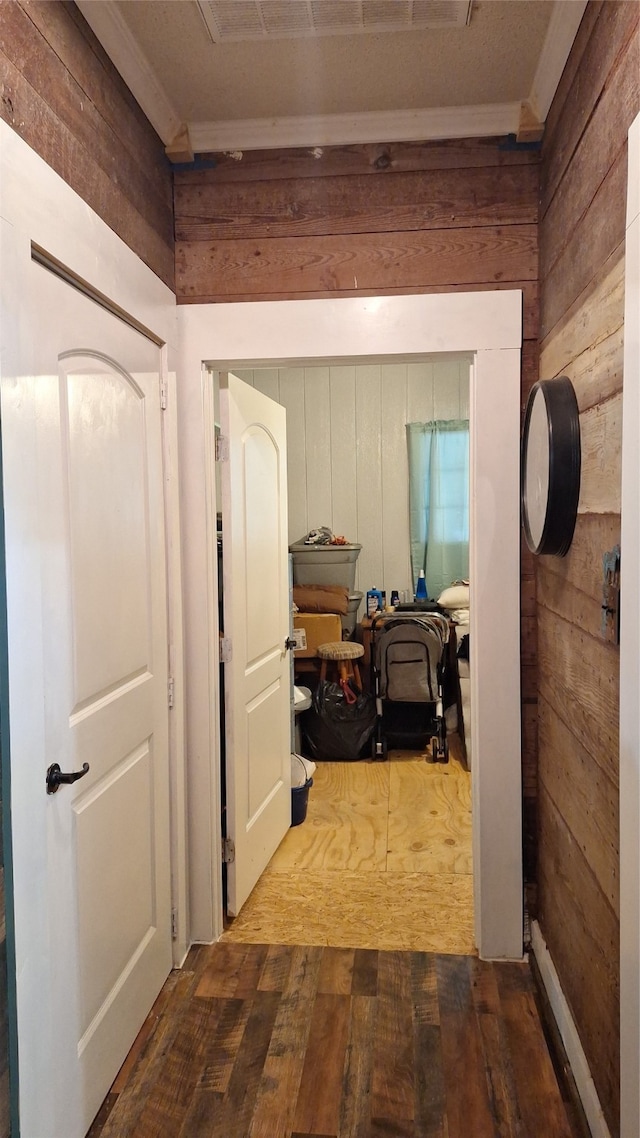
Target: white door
[(256, 621), (86, 415)]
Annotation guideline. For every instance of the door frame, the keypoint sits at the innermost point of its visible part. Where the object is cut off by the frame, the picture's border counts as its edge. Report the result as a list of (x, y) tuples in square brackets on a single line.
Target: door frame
[(629, 663), (487, 326), (37, 206)]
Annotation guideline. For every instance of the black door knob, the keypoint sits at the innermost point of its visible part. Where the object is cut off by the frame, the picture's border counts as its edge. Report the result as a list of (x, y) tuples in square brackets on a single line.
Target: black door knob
[(56, 778)]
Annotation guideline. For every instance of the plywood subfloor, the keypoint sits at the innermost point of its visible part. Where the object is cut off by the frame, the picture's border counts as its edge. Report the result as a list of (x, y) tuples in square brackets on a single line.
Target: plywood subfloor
[(383, 860)]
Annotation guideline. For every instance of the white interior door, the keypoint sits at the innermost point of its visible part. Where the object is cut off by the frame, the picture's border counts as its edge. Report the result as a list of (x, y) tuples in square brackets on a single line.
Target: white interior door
[(91, 635), (256, 621)]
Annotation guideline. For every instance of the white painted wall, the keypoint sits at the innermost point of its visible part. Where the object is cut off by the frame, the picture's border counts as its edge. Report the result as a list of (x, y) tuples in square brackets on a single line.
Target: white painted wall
[(630, 666), (347, 451)]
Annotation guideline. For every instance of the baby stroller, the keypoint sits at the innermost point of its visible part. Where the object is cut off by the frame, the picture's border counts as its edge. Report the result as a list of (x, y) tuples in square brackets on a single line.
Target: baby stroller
[(408, 660)]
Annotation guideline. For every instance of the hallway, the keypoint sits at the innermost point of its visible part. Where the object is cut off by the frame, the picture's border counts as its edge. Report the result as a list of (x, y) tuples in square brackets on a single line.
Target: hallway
[(257, 1041), (396, 1029)]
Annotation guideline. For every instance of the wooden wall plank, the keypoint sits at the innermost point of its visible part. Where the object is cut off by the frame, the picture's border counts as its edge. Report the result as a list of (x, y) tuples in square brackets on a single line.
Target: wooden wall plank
[(24, 110), (596, 236), (581, 930), (438, 199), (553, 124), (528, 596), (47, 75), (601, 470), (45, 104), (615, 25), (528, 640), (367, 158), (302, 265), (530, 370), (560, 596), (581, 568), (67, 32), (596, 153), (585, 797), (529, 750), (529, 683), (579, 678), (582, 317)]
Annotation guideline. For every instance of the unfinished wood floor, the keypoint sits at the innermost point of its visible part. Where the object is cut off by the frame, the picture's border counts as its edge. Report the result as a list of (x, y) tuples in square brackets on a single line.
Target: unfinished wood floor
[(256, 1041), (383, 860)]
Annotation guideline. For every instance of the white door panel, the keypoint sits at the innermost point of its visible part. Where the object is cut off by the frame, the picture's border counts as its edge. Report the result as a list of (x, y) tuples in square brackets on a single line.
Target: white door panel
[(256, 619), (101, 848)]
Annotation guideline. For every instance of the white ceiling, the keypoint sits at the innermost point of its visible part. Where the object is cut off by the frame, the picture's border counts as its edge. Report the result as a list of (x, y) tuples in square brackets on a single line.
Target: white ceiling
[(496, 75)]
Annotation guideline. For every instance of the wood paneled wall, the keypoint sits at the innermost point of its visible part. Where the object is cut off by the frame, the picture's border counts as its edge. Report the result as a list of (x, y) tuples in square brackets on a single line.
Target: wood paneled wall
[(582, 307), (369, 220), (359, 219), (347, 452), (62, 94)]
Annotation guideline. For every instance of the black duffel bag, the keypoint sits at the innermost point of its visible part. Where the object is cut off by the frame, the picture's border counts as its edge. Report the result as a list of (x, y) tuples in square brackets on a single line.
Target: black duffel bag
[(337, 728)]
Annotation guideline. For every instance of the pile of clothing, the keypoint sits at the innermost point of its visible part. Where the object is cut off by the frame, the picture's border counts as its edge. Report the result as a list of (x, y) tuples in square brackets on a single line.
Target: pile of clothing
[(324, 536)]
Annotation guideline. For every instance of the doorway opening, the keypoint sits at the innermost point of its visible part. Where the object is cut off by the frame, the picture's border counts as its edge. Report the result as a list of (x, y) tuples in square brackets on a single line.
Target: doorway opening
[(487, 327), (396, 838)]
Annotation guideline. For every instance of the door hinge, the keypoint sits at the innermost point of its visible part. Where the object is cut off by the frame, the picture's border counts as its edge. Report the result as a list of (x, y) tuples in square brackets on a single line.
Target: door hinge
[(170, 691), (222, 448), (174, 924), (228, 850), (226, 650), (163, 394)]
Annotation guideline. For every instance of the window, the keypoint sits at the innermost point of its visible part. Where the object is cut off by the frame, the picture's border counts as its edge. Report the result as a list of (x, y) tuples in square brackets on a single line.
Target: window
[(439, 501)]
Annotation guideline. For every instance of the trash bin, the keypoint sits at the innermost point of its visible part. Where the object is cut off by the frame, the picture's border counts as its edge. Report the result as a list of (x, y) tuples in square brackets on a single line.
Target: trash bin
[(300, 802), (301, 782)]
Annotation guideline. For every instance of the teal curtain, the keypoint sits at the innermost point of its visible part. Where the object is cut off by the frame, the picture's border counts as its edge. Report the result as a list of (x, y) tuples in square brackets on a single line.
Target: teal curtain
[(439, 501)]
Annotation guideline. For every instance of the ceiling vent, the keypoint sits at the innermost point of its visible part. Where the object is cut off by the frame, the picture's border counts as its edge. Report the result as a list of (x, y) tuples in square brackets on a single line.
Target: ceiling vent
[(293, 19)]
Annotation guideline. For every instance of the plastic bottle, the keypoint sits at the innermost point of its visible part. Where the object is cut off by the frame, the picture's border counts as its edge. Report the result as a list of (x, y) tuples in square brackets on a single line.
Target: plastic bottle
[(374, 601), (421, 587)]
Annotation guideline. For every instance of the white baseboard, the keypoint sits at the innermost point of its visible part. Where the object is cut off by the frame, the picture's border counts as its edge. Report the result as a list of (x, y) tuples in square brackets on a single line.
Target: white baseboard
[(569, 1035)]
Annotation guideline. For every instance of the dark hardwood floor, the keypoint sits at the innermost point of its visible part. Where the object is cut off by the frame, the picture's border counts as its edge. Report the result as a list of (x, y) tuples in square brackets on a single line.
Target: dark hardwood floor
[(272, 1041)]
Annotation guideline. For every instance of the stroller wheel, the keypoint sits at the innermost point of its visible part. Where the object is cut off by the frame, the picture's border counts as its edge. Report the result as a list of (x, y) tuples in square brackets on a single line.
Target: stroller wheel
[(444, 751), (432, 755)]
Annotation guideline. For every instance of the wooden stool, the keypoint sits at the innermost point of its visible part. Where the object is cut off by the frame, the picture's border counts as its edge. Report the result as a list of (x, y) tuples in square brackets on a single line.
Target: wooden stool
[(342, 653)]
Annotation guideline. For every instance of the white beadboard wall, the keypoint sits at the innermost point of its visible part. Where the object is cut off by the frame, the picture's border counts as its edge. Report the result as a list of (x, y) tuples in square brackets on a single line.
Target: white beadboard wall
[(347, 451)]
